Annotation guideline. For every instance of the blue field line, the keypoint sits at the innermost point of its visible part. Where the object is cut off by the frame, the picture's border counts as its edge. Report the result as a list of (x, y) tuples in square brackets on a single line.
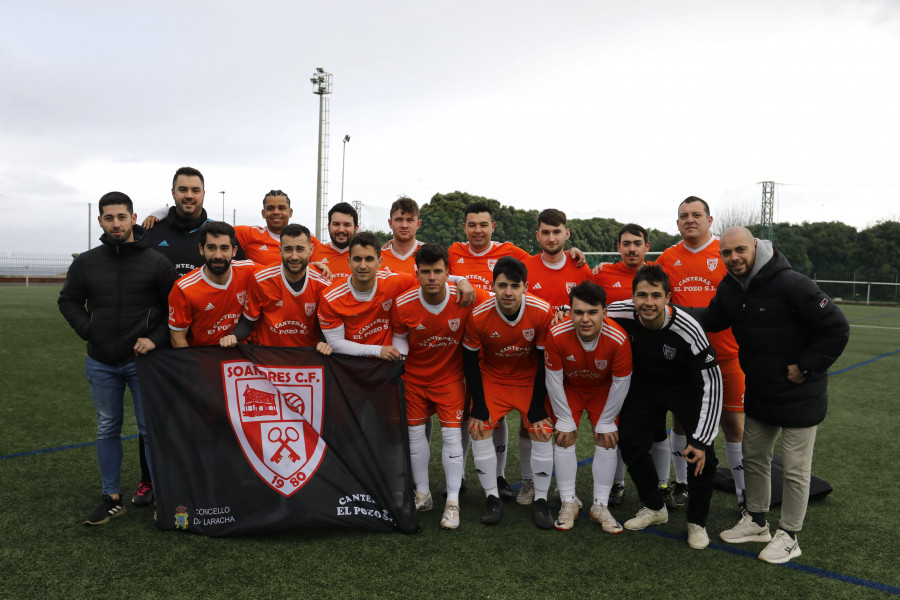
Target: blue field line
[(865, 362), (58, 448)]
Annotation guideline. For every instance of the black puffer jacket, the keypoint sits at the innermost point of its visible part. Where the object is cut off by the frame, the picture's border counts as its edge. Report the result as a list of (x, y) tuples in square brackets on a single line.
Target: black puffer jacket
[(116, 293), (780, 317)]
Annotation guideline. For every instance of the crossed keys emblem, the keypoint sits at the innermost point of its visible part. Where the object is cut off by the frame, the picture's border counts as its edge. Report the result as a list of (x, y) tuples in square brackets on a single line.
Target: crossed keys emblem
[(289, 435)]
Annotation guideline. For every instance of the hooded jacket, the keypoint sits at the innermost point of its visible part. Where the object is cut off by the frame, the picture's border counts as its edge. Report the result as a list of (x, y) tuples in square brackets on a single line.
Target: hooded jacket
[(116, 293), (780, 317)]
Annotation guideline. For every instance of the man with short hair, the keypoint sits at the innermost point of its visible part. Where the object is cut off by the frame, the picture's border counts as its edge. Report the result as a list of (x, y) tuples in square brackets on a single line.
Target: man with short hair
[(206, 304), (694, 267), (789, 332), (399, 253), (428, 326), (343, 224), (504, 366), (282, 300), (115, 298), (675, 370), (588, 361), (633, 243), (261, 244)]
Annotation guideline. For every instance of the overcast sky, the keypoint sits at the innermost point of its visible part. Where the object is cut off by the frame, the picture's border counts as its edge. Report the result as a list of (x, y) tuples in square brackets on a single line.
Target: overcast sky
[(598, 108)]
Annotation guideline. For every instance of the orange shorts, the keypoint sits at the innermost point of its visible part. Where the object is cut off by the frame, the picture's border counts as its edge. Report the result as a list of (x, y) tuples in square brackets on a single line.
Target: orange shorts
[(732, 385), (446, 400), (502, 398), (592, 400)]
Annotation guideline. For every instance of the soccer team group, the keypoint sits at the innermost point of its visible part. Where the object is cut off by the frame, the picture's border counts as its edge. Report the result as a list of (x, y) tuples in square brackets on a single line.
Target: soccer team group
[(484, 328)]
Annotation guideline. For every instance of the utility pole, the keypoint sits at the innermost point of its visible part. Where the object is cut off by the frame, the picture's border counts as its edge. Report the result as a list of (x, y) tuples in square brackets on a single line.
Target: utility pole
[(223, 206), (344, 165), (766, 218), (322, 87)]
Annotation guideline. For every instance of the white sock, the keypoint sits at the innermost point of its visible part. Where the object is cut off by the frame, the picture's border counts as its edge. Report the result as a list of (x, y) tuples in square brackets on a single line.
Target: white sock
[(661, 455), (679, 443), (525, 456), (604, 470), (486, 465), (542, 465), (451, 456), (620, 467), (466, 442), (735, 456), (501, 441), (419, 455), (566, 464)]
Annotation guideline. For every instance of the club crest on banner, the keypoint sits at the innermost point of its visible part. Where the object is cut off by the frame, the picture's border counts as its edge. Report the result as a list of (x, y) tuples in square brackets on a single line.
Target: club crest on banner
[(276, 415), (310, 308), (600, 364), (453, 323), (491, 262), (528, 333), (712, 263), (668, 352)]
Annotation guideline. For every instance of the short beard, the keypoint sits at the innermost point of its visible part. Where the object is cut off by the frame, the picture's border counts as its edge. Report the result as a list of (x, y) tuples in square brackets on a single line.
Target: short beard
[(218, 269)]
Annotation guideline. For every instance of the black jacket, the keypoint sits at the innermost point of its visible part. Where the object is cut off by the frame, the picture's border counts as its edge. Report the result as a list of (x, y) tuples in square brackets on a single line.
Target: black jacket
[(179, 240), (780, 317), (116, 293)]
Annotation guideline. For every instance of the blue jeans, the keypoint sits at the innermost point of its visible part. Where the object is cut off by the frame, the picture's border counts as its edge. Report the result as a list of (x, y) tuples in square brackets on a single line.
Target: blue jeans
[(108, 392)]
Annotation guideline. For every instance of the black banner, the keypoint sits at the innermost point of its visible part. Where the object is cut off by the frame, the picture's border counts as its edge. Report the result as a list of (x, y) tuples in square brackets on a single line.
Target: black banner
[(256, 439)]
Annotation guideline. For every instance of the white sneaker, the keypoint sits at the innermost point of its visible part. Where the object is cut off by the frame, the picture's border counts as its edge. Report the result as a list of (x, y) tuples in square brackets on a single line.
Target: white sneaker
[(781, 549), (450, 519), (746, 531), (567, 516), (526, 493), (697, 537), (423, 501), (600, 514), (647, 516)]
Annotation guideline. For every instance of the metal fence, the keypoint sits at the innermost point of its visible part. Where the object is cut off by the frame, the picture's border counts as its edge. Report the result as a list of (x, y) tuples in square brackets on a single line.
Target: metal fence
[(29, 267)]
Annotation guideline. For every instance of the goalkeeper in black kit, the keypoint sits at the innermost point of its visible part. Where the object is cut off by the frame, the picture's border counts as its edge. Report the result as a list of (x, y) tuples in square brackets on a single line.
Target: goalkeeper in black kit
[(675, 370)]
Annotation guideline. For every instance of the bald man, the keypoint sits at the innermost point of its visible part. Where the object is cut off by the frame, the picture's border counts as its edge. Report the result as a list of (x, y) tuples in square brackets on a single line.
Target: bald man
[(788, 333)]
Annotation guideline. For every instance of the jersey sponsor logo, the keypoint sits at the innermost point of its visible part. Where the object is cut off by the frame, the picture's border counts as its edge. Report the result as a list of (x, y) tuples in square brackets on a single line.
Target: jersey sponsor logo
[(617, 284), (386, 305), (420, 326), (164, 243), (453, 323), (276, 414), (279, 303), (570, 357), (324, 260), (209, 306), (668, 352), (528, 334), (242, 297), (310, 308), (537, 286), (263, 247), (460, 261), (712, 263), (600, 364), (491, 262), (677, 263), (495, 334), (709, 358)]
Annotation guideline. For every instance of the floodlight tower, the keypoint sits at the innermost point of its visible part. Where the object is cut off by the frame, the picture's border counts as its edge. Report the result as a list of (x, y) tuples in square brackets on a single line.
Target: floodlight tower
[(321, 87), (766, 218)]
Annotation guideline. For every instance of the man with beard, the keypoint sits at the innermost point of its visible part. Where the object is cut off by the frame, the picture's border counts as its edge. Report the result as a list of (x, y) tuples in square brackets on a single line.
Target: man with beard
[(115, 298), (282, 299), (343, 223), (207, 303), (399, 254)]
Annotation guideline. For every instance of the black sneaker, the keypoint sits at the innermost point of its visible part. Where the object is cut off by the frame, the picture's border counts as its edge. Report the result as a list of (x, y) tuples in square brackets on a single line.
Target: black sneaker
[(679, 493), (108, 509), (540, 510), (504, 489), (667, 497), (144, 494), (616, 494), (493, 508)]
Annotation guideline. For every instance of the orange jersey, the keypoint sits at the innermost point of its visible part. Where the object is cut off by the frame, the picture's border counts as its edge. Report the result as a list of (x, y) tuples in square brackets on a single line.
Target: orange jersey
[(694, 276), (584, 368), (479, 268), (508, 348), (365, 321), (615, 280), (261, 245), (284, 317), (206, 310), (551, 284), (336, 260), (435, 355), (397, 263)]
